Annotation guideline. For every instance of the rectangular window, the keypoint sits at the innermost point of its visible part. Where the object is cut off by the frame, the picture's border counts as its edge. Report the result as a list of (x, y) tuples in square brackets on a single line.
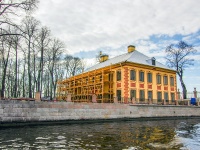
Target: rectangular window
[(158, 77), (159, 96), (141, 74), (132, 75), (172, 97), (166, 96), (150, 95), (119, 95), (149, 77), (142, 96), (119, 75), (165, 80), (133, 94), (172, 81)]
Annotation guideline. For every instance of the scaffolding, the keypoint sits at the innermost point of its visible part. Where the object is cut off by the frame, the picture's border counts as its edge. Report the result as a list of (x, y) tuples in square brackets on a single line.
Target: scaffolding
[(83, 86)]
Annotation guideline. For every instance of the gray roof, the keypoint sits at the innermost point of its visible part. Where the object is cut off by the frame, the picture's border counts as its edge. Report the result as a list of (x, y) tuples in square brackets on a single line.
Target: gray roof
[(135, 57)]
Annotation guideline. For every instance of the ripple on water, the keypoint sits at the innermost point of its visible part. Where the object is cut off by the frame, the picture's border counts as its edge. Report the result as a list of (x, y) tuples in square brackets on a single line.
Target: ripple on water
[(42, 147), (57, 146), (41, 142), (2, 146), (72, 144), (55, 133), (15, 145), (79, 139), (62, 142), (90, 135), (26, 144), (58, 142), (9, 145), (133, 148), (43, 138), (61, 137)]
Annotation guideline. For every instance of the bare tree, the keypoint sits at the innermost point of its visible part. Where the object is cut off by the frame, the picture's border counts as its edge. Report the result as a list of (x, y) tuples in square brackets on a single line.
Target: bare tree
[(5, 48), (23, 75), (67, 63), (76, 66), (9, 80), (43, 39), (178, 58), (54, 58), (73, 65), (12, 8), (30, 27), (16, 44)]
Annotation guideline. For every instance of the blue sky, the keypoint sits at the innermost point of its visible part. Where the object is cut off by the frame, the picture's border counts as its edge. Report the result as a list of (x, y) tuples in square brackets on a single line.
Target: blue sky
[(90, 26)]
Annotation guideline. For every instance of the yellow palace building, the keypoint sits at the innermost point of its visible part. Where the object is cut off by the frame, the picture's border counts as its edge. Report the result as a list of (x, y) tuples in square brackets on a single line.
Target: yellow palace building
[(129, 76)]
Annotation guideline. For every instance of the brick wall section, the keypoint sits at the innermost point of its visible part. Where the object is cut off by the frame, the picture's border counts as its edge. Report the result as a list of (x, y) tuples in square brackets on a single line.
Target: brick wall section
[(126, 83), (11, 111)]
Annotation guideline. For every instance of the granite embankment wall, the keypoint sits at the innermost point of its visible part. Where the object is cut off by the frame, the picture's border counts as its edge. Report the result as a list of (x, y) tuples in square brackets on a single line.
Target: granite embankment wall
[(33, 111)]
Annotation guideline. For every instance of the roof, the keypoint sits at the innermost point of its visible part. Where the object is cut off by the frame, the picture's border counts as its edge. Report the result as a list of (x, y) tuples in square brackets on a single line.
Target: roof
[(134, 57)]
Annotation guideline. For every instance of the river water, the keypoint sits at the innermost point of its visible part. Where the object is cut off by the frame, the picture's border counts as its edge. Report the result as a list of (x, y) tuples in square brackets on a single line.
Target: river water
[(127, 135)]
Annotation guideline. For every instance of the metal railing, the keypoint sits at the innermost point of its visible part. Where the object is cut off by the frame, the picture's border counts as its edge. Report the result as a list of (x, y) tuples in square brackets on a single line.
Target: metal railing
[(189, 95)]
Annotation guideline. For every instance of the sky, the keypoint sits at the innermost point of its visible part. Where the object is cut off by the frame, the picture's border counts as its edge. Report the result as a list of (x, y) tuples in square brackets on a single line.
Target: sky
[(89, 26)]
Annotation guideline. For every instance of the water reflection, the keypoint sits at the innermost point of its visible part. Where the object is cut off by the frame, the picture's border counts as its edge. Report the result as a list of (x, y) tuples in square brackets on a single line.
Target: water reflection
[(163, 134)]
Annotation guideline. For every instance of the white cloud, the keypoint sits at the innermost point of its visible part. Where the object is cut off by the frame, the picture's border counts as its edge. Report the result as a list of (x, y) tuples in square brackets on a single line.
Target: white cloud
[(90, 24), (195, 57), (197, 48), (194, 68), (89, 62)]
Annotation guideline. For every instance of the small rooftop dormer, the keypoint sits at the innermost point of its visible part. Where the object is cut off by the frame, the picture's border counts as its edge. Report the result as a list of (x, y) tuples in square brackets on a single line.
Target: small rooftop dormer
[(153, 61), (131, 48)]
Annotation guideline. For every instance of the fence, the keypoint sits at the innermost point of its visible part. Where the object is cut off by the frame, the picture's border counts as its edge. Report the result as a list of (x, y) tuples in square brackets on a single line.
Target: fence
[(190, 95)]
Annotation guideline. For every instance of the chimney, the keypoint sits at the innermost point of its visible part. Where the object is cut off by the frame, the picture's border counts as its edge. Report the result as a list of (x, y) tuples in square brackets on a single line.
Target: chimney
[(100, 53), (131, 48), (103, 57)]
